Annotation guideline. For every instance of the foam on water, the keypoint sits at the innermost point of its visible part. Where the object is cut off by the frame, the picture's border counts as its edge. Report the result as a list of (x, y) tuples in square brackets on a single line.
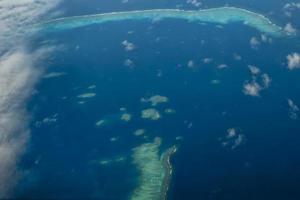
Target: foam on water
[(222, 15)]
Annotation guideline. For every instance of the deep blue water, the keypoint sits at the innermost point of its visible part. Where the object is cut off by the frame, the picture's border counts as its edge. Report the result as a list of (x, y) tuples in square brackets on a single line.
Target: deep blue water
[(63, 157)]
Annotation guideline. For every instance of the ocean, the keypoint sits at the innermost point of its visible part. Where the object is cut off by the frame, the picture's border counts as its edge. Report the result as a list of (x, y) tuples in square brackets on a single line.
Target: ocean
[(201, 69)]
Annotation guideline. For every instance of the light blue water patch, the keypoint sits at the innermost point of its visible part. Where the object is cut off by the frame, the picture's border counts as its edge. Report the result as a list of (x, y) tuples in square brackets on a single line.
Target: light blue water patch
[(222, 15)]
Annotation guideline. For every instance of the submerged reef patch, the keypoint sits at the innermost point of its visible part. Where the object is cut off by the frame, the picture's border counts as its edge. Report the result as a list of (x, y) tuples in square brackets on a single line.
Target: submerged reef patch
[(155, 171), (151, 114), (155, 100), (112, 119), (222, 15), (86, 95)]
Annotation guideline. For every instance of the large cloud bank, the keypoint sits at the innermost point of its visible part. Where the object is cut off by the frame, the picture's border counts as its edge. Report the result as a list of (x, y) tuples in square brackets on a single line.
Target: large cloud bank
[(18, 74)]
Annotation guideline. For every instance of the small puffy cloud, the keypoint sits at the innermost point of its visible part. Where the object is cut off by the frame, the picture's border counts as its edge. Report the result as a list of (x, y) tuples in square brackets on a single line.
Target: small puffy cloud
[(254, 70), (195, 3), (231, 132), (254, 43), (252, 89), (233, 138), (292, 5), (289, 29), (128, 63), (293, 60), (191, 64), (128, 45), (237, 56), (265, 39), (293, 109), (258, 82), (266, 80), (288, 8)]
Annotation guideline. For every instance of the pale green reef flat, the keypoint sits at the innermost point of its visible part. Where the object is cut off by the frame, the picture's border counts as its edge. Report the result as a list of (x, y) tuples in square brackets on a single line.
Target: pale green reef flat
[(222, 15), (155, 171)]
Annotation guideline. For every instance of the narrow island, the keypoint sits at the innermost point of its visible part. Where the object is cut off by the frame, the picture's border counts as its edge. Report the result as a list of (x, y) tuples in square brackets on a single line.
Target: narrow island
[(222, 15), (155, 171)]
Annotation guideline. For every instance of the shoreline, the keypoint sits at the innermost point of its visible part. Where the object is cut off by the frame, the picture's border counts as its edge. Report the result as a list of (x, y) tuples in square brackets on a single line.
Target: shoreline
[(166, 159)]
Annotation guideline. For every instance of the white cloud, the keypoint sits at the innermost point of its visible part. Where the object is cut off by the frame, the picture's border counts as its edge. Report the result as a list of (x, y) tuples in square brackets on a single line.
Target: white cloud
[(293, 109), (17, 78), (265, 39), (128, 45), (288, 8), (293, 61), (252, 89), (289, 29), (254, 42), (266, 80), (233, 138), (254, 70), (128, 63), (195, 3), (231, 132), (191, 64), (237, 56), (258, 82)]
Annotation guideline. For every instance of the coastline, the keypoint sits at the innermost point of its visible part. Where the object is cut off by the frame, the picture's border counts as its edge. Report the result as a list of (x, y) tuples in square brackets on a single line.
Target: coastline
[(166, 159)]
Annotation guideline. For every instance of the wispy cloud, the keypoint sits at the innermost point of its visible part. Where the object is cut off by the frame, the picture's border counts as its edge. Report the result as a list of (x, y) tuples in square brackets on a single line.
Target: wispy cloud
[(15, 15), (18, 75)]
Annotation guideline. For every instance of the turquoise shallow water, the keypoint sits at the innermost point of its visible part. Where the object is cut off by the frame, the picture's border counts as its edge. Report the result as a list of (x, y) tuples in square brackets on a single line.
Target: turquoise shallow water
[(222, 15)]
